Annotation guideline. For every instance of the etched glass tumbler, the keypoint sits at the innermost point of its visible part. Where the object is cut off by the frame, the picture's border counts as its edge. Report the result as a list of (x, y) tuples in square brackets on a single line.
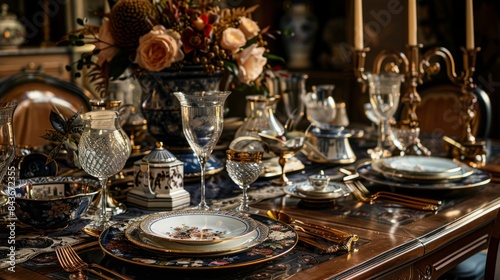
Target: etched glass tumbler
[(103, 151), (202, 115)]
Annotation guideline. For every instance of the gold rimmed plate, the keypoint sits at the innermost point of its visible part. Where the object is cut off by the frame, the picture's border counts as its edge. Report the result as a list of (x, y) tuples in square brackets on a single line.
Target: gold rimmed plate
[(463, 171), (420, 165), (329, 191), (196, 227), (136, 236), (476, 179), (280, 240), (295, 191)]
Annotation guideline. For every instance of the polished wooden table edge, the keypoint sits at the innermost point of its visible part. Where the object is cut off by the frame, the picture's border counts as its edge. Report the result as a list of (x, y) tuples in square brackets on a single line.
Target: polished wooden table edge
[(469, 223), (21, 273)]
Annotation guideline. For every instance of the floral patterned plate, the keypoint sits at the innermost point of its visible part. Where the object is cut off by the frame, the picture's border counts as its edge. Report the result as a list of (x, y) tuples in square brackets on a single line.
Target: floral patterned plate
[(280, 240), (195, 227), (135, 235)]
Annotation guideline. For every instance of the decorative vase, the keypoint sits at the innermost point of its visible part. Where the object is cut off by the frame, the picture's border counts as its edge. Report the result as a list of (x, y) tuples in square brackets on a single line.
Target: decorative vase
[(161, 109), (302, 24)]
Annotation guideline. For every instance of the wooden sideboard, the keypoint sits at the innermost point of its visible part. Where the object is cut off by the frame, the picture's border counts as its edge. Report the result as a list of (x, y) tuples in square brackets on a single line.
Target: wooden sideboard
[(51, 60)]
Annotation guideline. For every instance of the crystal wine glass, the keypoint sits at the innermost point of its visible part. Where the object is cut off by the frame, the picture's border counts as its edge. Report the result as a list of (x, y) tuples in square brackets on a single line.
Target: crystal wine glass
[(202, 120), (103, 151), (7, 143), (244, 167), (389, 138), (384, 98)]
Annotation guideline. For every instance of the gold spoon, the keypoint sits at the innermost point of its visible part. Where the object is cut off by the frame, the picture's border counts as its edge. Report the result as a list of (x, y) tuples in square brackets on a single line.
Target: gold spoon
[(92, 231)]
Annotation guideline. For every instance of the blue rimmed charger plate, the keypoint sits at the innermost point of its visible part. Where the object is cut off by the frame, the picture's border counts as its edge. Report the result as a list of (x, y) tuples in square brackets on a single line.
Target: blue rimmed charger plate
[(280, 240), (476, 179)]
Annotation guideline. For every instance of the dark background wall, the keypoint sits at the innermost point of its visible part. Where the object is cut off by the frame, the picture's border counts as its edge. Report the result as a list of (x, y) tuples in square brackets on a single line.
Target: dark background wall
[(441, 23)]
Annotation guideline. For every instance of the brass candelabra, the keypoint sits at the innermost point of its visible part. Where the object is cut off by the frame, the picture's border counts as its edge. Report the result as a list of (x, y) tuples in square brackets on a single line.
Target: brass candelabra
[(418, 66)]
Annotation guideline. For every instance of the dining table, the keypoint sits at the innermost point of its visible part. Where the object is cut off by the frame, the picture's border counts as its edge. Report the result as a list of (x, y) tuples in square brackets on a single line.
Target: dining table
[(394, 241)]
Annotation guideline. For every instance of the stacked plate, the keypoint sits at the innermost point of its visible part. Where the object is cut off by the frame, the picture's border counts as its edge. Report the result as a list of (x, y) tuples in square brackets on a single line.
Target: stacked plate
[(423, 172), (197, 233)]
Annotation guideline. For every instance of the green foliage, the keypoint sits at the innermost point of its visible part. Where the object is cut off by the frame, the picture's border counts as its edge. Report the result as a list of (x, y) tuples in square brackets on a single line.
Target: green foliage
[(66, 132)]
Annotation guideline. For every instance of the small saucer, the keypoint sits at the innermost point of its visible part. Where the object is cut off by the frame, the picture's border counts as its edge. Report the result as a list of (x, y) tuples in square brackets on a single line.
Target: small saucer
[(326, 192)]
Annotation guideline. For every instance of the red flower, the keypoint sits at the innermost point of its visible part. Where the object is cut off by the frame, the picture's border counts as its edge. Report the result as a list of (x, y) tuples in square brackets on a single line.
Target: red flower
[(207, 28), (192, 40), (197, 36)]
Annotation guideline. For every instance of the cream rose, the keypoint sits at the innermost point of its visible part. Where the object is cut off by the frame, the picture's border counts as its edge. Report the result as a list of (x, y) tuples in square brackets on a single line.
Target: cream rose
[(233, 39), (158, 49), (105, 43), (249, 27), (251, 63)]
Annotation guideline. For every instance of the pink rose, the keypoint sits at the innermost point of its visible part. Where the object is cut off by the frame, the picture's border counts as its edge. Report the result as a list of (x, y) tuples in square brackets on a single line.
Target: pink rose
[(158, 49), (105, 43), (249, 27), (232, 39), (251, 63)]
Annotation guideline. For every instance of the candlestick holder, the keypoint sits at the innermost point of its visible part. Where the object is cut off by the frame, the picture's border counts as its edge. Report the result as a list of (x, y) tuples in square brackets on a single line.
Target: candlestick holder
[(416, 67)]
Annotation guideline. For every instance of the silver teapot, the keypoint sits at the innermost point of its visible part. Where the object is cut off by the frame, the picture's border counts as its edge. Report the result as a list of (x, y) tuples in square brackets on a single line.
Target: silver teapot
[(327, 138), (12, 31)]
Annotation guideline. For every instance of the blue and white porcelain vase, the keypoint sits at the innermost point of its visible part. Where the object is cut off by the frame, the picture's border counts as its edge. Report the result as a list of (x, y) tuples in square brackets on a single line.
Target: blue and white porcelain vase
[(161, 109), (299, 26)]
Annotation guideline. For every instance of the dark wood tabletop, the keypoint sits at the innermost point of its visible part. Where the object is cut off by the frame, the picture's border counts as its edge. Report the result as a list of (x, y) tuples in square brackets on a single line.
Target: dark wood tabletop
[(394, 242)]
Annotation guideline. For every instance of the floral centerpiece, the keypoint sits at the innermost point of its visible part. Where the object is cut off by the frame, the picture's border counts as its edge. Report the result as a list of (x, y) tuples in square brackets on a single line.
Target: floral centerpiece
[(149, 39), (153, 35)]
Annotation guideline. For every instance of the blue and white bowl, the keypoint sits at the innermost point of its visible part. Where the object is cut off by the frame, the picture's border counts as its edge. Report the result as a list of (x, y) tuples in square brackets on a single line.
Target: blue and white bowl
[(50, 203)]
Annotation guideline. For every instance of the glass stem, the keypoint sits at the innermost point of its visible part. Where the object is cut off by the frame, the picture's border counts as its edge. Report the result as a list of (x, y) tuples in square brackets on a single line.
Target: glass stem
[(381, 137), (282, 162), (382, 134), (103, 217), (244, 198), (203, 164)]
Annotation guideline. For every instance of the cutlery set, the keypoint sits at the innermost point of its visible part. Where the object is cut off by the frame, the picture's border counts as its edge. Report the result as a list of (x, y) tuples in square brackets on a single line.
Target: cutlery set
[(362, 194), (315, 235)]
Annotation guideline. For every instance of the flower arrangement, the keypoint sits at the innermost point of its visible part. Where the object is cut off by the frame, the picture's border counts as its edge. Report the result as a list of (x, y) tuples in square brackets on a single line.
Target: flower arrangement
[(153, 35)]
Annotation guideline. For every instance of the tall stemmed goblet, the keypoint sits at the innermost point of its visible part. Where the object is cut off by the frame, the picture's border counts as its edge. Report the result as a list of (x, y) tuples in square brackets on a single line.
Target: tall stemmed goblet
[(384, 97), (103, 151), (244, 167), (202, 120), (7, 143), (285, 147)]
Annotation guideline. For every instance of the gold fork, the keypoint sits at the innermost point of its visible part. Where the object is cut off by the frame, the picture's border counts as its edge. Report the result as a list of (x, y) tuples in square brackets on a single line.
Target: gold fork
[(365, 196), (71, 262), (353, 177)]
